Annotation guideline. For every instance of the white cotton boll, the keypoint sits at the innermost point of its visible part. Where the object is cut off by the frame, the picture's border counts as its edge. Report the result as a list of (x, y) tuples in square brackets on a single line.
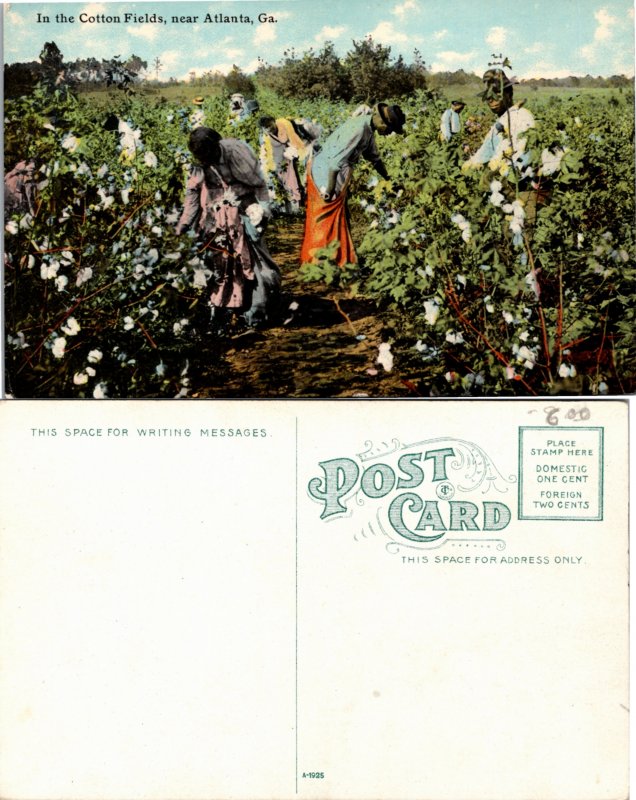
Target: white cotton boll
[(61, 282), (431, 311), (59, 345), (125, 194), (70, 142), (466, 234), (90, 371), (255, 213), (80, 378), (84, 275), (385, 357), (567, 371), (150, 159), (129, 323), (508, 317), (72, 327), (454, 337), (49, 271), (12, 227), (200, 280), (100, 391), (106, 199), (551, 162), (527, 356)]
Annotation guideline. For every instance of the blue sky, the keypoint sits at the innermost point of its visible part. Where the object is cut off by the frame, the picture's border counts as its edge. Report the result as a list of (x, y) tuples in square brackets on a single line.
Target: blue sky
[(544, 38)]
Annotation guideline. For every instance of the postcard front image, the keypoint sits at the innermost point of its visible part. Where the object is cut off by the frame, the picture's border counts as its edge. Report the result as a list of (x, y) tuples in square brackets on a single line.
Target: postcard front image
[(318, 200)]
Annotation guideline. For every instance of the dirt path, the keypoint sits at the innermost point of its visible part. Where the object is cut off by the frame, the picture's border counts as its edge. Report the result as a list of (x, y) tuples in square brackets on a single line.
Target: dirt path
[(327, 346)]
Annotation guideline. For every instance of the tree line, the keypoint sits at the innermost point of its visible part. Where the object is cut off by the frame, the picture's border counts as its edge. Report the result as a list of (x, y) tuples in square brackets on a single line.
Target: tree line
[(366, 73)]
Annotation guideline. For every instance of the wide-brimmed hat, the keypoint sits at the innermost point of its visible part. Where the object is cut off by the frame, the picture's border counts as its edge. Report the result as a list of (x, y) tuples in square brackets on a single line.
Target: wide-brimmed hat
[(458, 103), (496, 76), (198, 101), (393, 116)]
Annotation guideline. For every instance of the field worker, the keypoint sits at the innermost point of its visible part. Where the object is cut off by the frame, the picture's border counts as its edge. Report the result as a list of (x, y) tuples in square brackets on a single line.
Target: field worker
[(504, 145), (282, 149), (20, 188), (241, 109), (228, 202), (237, 104), (450, 123), (197, 117), (329, 176)]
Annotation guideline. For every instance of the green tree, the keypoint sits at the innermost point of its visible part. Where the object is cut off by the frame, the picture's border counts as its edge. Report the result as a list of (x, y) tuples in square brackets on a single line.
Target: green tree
[(369, 69), (236, 81)]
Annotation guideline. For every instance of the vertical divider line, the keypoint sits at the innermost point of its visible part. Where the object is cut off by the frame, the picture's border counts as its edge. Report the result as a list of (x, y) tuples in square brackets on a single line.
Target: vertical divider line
[(296, 602)]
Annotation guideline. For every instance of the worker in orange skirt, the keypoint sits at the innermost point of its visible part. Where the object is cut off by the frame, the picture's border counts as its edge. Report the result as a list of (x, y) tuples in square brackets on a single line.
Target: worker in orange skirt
[(330, 174)]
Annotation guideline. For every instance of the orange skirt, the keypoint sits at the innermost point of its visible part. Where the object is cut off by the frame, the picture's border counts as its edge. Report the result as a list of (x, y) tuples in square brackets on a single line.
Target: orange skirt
[(326, 221)]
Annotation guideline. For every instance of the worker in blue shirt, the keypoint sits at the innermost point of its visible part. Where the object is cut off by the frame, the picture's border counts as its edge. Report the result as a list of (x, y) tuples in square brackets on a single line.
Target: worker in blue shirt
[(450, 124)]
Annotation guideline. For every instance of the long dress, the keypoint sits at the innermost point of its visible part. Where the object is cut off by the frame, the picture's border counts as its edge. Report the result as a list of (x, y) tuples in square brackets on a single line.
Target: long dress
[(224, 202), (281, 154)]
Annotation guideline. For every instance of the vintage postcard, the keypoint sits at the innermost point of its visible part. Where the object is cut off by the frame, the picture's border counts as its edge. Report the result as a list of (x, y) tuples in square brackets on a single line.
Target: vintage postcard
[(298, 199), (368, 600)]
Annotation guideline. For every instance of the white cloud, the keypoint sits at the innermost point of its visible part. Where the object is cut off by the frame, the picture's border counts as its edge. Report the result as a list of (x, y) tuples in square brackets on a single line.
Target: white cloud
[(170, 58), (223, 68), (266, 33), (385, 33), (605, 23), (496, 37), (536, 47), (546, 69), (401, 9), (451, 60), (94, 8), (148, 32), (252, 66), (588, 51), (330, 32), (234, 52), (439, 35), (602, 44), (13, 18)]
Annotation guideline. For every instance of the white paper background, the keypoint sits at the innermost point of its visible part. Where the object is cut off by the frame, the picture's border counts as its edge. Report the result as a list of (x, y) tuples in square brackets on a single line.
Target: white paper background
[(179, 623)]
